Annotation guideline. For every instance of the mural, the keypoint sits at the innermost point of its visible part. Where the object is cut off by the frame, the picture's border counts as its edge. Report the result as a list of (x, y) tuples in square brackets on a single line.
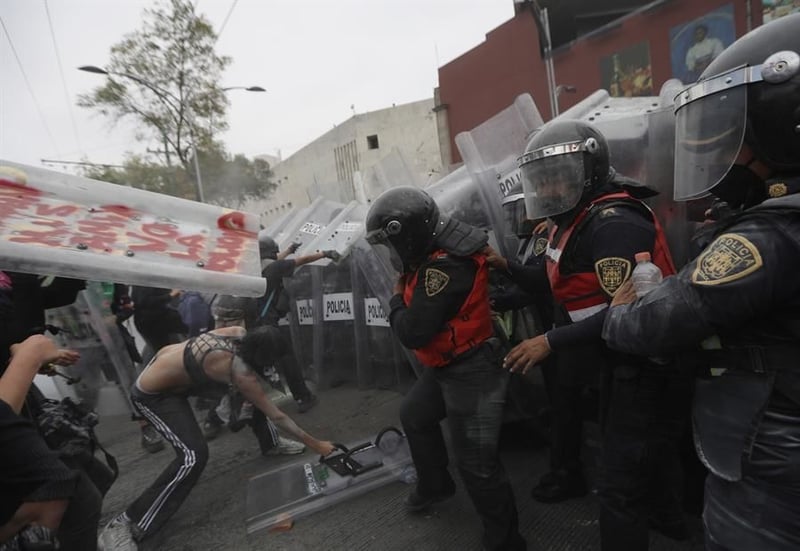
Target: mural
[(696, 43), (627, 73), (773, 9)]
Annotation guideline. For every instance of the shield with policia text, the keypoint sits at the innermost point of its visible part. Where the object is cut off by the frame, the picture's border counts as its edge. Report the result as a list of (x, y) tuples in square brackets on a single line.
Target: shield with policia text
[(64, 225)]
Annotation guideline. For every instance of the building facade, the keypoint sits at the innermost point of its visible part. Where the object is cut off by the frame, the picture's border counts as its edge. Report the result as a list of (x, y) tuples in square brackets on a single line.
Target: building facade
[(633, 55), (328, 165)]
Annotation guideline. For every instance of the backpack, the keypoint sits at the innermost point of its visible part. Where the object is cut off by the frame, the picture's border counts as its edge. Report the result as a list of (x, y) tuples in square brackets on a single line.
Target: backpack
[(68, 429), (195, 313)]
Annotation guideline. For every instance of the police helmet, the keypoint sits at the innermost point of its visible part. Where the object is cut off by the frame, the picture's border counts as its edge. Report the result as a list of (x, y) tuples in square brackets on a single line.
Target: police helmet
[(401, 224), (749, 94), (563, 162)]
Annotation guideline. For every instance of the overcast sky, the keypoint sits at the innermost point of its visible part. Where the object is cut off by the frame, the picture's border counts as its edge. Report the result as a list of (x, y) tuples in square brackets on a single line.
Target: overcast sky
[(316, 58)]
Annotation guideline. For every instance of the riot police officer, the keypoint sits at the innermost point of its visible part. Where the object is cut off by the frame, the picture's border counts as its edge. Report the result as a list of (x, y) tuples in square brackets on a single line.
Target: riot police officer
[(440, 310), (738, 137), (599, 224)]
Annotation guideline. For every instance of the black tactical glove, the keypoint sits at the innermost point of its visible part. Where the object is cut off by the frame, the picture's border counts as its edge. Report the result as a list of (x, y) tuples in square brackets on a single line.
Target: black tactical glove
[(333, 255)]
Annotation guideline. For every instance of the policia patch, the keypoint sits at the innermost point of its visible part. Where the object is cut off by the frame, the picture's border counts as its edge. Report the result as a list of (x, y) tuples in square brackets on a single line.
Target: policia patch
[(539, 246), (612, 272), (435, 281), (730, 257)]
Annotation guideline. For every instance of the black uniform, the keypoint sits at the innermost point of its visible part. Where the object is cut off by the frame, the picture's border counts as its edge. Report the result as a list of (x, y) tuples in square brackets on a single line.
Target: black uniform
[(743, 291), (469, 391)]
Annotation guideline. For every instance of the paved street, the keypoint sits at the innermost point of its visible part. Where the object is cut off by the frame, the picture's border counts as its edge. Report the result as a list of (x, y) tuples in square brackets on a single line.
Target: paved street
[(213, 517)]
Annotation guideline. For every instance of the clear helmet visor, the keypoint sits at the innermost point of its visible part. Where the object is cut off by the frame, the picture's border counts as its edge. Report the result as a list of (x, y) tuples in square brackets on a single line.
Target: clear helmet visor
[(709, 132), (552, 185), (515, 214)]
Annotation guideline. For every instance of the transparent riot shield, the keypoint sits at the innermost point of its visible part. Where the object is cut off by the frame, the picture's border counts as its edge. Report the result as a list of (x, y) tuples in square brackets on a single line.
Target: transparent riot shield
[(490, 153), (341, 233), (282, 496), (306, 227), (281, 222), (641, 138), (65, 225), (105, 371)]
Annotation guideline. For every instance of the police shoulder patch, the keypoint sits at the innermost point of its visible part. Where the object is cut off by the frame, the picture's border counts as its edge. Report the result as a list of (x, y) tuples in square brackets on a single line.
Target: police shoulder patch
[(612, 272), (730, 257), (435, 281), (539, 246)]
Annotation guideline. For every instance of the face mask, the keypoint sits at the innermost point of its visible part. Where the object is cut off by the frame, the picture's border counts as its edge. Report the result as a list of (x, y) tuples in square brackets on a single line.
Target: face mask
[(740, 187)]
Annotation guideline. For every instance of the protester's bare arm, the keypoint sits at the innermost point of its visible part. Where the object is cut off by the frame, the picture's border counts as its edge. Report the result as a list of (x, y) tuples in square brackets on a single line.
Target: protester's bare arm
[(248, 384), (27, 358)]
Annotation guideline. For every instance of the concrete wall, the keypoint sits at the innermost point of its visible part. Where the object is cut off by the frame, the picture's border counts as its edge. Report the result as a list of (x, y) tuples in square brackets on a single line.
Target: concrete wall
[(326, 166)]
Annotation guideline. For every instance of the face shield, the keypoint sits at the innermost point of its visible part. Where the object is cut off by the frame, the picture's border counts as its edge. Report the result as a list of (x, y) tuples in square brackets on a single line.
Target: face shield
[(710, 120), (554, 177), (516, 215)]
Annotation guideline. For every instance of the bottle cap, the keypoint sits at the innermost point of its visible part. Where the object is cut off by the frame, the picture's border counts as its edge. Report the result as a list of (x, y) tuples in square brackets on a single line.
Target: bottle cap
[(642, 257)]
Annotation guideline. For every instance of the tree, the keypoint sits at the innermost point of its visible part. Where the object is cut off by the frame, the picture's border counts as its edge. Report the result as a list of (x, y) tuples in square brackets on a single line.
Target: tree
[(166, 77), (229, 182)]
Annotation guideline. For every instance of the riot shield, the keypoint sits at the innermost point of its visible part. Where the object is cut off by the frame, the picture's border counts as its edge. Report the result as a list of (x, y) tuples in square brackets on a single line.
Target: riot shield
[(105, 371), (341, 233), (281, 222), (284, 495), (310, 223), (640, 133), (65, 225), (490, 153)]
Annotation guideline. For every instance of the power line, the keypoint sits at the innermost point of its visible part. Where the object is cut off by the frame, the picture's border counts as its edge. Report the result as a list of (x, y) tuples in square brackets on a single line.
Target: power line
[(30, 88), (225, 22), (81, 163), (63, 80)]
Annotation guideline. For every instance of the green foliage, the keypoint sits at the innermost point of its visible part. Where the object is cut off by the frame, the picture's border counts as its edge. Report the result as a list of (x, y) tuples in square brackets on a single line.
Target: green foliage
[(227, 181), (166, 76)]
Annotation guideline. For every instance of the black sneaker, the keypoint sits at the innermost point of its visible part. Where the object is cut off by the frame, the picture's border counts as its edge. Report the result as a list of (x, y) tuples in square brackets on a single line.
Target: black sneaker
[(151, 440), (554, 488), (415, 502), (305, 404)]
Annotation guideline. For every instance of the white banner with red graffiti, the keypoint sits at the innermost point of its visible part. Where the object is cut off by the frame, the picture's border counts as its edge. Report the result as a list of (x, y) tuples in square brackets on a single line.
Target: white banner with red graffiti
[(60, 224)]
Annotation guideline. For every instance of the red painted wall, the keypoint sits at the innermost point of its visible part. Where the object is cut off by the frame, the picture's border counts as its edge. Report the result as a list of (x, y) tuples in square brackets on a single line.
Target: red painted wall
[(485, 80)]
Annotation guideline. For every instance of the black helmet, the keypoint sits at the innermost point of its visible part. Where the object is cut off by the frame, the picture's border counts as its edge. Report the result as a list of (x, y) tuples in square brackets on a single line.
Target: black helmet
[(267, 247), (563, 162), (403, 219), (749, 94)]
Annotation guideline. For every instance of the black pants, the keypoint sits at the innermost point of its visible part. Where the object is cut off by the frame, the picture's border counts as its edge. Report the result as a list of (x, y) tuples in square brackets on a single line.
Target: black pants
[(291, 371), (470, 393), (173, 418), (640, 469)]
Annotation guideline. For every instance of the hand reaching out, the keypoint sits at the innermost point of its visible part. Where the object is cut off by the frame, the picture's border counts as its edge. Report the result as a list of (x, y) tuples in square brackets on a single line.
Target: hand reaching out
[(527, 354)]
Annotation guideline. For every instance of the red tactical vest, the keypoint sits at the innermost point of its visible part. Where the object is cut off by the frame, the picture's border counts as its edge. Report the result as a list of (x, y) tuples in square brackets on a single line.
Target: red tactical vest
[(469, 328), (581, 293)]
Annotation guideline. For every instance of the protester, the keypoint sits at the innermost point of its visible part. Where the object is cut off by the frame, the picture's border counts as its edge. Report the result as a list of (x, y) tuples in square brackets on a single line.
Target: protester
[(43, 504), (203, 365)]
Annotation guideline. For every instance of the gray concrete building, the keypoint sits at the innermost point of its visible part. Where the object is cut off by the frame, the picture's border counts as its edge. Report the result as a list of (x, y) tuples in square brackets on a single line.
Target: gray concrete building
[(329, 165)]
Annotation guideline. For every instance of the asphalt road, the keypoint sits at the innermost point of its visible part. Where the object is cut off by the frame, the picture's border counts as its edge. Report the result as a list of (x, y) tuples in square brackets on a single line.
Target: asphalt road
[(213, 516)]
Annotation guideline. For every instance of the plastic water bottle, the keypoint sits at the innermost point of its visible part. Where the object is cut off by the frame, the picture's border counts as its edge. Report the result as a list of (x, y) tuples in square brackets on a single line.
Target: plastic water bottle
[(646, 275)]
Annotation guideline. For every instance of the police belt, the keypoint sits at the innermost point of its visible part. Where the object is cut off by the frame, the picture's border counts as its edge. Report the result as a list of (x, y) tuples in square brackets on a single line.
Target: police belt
[(756, 358)]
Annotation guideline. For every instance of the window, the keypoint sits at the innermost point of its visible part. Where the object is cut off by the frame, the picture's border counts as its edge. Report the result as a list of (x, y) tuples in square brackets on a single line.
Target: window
[(372, 142)]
